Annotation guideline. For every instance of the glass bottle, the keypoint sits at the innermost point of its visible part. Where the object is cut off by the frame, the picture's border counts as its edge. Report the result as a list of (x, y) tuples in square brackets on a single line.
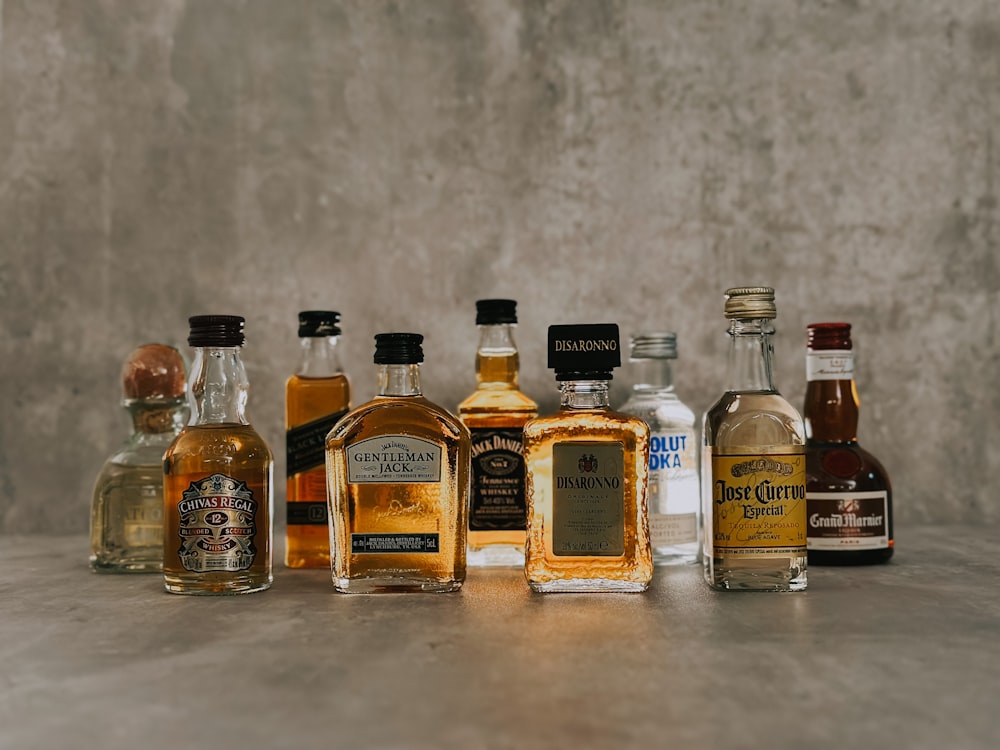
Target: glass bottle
[(217, 481), (126, 519), (848, 494), (674, 488), (588, 528), (398, 471), (753, 463), (316, 396), (495, 414)]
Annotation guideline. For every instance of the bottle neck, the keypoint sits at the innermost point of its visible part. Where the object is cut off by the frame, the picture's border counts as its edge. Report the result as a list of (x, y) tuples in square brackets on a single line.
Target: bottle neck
[(399, 380), (652, 376), (319, 357), (584, 394), (831, 404), (158, 416), (497, 360), (218, 386), (750, 355)]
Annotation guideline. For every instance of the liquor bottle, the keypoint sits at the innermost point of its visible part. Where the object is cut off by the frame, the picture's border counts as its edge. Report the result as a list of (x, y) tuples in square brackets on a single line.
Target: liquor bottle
[(753, 463), (217, 481), (495, 414), (848, 494), (316, 396), (586, 475), (673, 489), (126, 519), (398, 472)]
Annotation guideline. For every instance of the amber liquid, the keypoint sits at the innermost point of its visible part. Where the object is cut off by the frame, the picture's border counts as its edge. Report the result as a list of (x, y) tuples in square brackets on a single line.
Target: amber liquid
[(549, 572), (238, 452), (400, 508), (308, 399), (497, 404)]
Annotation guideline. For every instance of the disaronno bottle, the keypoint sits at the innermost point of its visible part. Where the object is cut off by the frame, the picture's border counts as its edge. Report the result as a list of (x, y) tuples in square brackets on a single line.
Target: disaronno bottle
[(753, 463), (398, 471), (848, 494), (217, 476), (126, 522), (674, 490), (495, 414), (586, 470), (316, 397)]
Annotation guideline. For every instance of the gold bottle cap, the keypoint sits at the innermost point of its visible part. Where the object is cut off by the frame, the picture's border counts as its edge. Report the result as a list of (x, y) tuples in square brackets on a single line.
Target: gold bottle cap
[(750, 302), (154, 371)]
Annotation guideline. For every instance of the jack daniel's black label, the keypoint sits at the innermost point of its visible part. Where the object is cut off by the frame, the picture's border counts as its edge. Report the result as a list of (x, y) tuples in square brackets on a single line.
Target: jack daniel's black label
[(497, 481), (584, 348), (305, 444)]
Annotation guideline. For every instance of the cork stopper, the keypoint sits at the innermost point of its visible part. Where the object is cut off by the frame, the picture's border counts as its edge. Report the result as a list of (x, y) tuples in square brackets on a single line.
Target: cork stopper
[(154, 371), (750, 302)]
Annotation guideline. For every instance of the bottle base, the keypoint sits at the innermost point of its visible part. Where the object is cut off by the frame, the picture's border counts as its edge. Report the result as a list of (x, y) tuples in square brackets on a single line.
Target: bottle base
[(588, 586), (850, 557), (229, 587), (666, 556), (134, 566), (495, 556), (307, 562), (761, 574), (393, 585)]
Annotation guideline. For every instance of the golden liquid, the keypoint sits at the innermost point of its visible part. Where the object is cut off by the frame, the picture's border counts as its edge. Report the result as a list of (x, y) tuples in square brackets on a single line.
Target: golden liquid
[(418, 508), (238, 452), (497, 404), (751, 424), (307, 399), (547, 571)]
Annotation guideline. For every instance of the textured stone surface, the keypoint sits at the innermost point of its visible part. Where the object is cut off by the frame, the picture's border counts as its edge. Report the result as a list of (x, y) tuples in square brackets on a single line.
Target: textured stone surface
[(902, 655), (599, 161)]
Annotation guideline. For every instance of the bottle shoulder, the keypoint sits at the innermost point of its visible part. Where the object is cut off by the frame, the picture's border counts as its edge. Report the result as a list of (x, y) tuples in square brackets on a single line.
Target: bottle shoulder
[(833, 467), (753, 420), (584, 424), (398, 415), (659, 413), (219, 440), (484, 404)]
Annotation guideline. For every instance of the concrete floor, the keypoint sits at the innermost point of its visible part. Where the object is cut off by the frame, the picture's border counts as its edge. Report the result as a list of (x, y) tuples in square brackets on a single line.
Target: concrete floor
[(904, 655)]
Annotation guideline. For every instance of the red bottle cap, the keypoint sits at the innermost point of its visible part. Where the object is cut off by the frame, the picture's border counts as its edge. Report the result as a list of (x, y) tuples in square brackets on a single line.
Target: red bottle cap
[(822, 336)]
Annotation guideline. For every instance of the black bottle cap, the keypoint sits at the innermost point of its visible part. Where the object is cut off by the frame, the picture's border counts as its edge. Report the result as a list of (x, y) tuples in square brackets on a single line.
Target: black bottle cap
[(318, 323), (495, 311), (584, 352), (216, 330), (398, 349)]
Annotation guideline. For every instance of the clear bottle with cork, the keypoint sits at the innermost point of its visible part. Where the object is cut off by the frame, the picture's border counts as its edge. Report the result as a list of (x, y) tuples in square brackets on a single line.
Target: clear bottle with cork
[(218, 475), (495, 414), (316, 397), (674, 487), (753, 463), (126, 521), (848, 493), (398, 470), (588, 528)]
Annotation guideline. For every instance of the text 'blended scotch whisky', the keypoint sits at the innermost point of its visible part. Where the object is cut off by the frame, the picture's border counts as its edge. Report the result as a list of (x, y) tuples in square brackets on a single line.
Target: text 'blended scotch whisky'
[(217, 480), (586, 470), (495, 414), (848, 494), (753, 463), (674, 488), (126, 521), (398, 472), (316, 397)]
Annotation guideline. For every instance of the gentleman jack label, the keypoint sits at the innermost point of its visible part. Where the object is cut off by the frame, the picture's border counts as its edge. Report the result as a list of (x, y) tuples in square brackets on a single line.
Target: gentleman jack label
[(217, 525), (393, 459)]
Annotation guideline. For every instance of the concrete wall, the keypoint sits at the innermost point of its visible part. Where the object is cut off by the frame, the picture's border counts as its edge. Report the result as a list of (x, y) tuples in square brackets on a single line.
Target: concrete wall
[(598, 161)]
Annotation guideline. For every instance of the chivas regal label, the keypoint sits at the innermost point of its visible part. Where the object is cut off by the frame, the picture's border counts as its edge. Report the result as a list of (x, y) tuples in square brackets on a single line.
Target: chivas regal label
[(305, 445), (218, 517), (672, 456), (830, 364), (497, 501), (588, 499), (759, 502), (393, 459), (848, 520)]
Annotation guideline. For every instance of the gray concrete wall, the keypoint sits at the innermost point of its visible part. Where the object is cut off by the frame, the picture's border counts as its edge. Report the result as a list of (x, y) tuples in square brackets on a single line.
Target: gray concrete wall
[(598, 161)]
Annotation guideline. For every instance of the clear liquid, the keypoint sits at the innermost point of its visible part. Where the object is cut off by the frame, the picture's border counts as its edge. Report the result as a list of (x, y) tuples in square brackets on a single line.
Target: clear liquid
[(126, 522)]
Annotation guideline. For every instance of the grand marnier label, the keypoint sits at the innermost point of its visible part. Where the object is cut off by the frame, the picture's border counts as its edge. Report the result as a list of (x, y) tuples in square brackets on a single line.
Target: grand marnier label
[(588, 499), (759, 502), (218, 520), (848, 520), (393, 459)]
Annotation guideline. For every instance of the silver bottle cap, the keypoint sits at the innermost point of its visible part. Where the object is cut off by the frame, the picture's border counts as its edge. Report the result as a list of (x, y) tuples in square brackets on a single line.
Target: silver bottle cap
[(654, 345), (750, 302)]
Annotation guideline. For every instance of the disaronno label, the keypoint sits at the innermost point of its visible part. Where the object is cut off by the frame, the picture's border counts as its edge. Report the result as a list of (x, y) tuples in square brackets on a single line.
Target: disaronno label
[(759, 502), (218, 521), (393, 459), (588, 491), (848, 520), (830, 364)]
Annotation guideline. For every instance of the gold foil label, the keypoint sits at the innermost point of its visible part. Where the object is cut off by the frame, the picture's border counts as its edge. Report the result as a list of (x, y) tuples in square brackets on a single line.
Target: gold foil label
[(217, 525), (588, 491), (758, 502)]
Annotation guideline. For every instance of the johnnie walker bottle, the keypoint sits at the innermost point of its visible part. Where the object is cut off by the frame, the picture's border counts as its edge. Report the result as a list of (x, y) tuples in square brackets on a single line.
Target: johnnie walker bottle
[(217, 481), (586, 470), (126, 521), (753, 463), (495, 414), (848, 494), (398, 471), (316, 397)]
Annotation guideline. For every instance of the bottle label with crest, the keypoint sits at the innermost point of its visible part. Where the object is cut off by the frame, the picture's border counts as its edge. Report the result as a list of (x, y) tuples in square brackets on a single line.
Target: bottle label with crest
[(497, 501), (848, 520), (218, 521), (588, 491)]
